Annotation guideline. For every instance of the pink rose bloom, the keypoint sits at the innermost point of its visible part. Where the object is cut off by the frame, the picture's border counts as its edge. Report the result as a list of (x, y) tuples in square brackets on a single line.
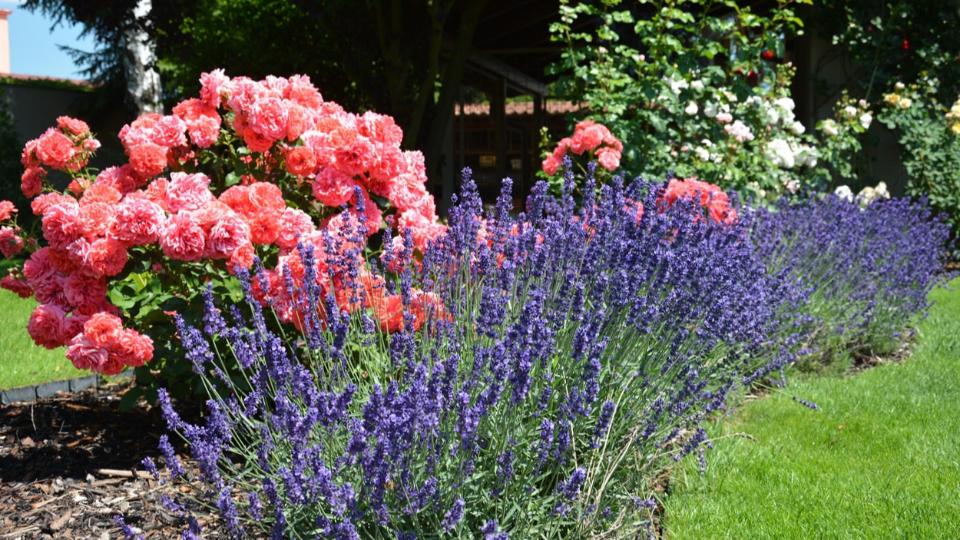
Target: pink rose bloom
[(31, 182), (608, 158), (299, 160), (102, 193), (587, 136), (182, 239), (39, 266), (147, 159), (130, 349), (301, 91), (46, 326), (551, 165), (95, 219), (54, 149), (187, 192), (211, 86), (73, 125), (28, 157), (80, 289), (7, 210), (299, 120), (90, 145), (202, 121), (103, 329), (61, 223), (18, 287), (332, 187), (73, 325), (122, 179), (293, 224), (85, 354), (107, 256), (227, 235), (42, 202), (422, 228), (241, 258), (137, 222), (10, 242), (268, 117)]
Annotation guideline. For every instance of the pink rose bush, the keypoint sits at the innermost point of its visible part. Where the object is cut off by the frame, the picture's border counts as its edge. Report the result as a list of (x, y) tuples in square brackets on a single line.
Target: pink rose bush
[(714, 201), (248, 170), (590, 138)]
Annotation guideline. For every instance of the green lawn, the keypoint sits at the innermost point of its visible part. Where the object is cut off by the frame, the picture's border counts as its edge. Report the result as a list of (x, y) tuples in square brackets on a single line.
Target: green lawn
[(880, 459), (22, 362)]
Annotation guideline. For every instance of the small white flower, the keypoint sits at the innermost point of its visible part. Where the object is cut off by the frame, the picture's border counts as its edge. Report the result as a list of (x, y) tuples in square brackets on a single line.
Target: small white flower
[(697, 85), (793, 185), (738, 130), (677, 85), (882, 191), (865, 120), (797, 128), (899, 86), (725, 118), (779, 152), (785, 103), (844, 192), (850, 111), (710, 109), (866, 196), (702, 153), (691, 108), (830, 127)]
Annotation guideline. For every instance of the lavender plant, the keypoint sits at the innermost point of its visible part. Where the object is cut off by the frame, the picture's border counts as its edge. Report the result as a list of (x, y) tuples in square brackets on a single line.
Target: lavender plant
[(865, 272), (573, 353)]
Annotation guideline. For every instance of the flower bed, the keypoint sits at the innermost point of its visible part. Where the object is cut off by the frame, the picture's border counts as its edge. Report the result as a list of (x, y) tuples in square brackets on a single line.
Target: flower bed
[(372, 373)]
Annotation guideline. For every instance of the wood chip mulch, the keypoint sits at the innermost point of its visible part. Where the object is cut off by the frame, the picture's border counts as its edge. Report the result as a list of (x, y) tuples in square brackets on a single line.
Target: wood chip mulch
[(69, 464)]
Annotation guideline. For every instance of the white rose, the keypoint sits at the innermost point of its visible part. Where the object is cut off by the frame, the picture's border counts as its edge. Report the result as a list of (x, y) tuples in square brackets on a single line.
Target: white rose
[(697, 85), (793, 185), (691, 108), (882, 191), (724, 118), (850, 111), (797, 128), (844, 192), (785, 103), (779, 153), (865, 120), (702, 153), (710, 109), (830, 127)]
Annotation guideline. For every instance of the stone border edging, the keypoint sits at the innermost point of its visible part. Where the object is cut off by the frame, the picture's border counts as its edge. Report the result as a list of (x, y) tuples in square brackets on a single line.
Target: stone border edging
[(32, 393)]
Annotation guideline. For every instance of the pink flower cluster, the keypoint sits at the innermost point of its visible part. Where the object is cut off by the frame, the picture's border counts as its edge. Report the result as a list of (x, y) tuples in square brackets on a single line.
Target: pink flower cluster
[(11, 242), (159, 203), (588, 137), (287, 121), (66, 147), (713, 199)]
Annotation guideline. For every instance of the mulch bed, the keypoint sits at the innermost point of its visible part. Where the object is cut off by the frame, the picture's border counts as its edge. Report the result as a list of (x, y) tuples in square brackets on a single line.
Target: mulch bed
[(69, 464)]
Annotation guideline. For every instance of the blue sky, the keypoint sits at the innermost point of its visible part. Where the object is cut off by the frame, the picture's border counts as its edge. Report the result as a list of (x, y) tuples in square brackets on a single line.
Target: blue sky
[(33, 46)]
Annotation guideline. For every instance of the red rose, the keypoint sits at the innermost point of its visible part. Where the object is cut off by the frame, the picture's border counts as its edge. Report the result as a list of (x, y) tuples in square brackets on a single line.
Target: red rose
[(768, 55)]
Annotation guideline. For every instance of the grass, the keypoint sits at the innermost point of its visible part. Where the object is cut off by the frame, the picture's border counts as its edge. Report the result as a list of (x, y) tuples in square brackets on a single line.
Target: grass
[(21, 361), (879, 458)]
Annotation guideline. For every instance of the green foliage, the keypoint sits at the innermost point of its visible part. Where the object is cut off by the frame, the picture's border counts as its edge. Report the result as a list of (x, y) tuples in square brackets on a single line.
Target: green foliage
[(894, 40), (697, 87), (875, 461), (929, 136)]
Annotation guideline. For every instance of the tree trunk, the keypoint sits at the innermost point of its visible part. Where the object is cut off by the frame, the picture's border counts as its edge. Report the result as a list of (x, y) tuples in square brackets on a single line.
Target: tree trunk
[(139, 61), (449, 90)]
